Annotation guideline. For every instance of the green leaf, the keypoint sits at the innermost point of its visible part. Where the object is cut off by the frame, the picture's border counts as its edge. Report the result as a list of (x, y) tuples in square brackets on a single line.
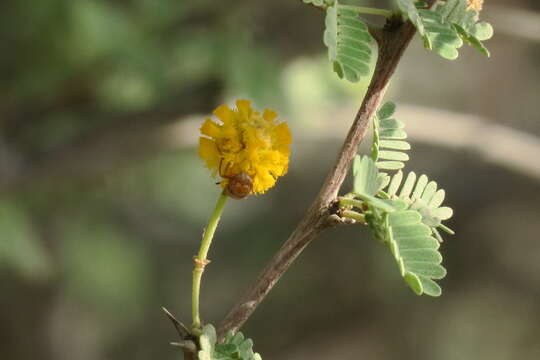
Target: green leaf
[(430, 287), (388, 139), (393, 155), (417, 253), (390, 165), (414, 283), (381, 204), (391, 124), (393, 134), (472, 40), (407, 223), (437, 199), (465, 23), (482, 31), (366, 179), (395, 144), (423, 196), (404, 218), (234, 346), (452, 10), (349, 43), (425, 268), (424, 255), (207, 342), (441, 36), (386, 110), (394, 183), (420, 186), (408, 186), (410, 231), (426, 242)]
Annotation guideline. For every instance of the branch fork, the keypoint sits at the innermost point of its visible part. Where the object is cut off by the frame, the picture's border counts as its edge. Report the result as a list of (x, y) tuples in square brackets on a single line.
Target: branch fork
[(324, 212), (393, 39)]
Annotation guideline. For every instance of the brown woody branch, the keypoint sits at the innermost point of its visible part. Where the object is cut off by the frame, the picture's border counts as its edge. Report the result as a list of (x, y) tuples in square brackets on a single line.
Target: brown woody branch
[(393, 39)]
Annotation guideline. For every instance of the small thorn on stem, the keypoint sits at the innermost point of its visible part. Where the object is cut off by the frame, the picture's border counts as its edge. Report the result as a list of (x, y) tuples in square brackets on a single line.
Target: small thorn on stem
[(186, 345), (180, 328)]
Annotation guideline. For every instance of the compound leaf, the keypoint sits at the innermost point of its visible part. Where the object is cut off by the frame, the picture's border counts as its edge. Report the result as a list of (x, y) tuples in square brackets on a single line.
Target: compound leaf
[(349, 43)]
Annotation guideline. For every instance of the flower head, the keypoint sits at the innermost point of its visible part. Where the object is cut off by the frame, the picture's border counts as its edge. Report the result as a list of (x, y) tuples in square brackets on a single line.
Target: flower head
[(475, 4), (246, 144)]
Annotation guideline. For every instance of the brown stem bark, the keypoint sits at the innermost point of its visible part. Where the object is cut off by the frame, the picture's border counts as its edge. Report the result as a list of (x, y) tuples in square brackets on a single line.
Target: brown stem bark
[(393, 39)]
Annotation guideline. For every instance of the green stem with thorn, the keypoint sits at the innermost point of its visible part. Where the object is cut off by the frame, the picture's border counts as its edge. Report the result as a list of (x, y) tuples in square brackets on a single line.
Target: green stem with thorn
[(201, 261)]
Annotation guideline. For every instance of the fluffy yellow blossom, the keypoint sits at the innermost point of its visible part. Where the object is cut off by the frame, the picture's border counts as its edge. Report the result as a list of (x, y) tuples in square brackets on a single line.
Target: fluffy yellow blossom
[(246, 142), (475, 4)]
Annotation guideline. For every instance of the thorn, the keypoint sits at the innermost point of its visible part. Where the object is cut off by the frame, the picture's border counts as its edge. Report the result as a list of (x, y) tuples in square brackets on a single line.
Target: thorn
[(180, 328), (187, 345)]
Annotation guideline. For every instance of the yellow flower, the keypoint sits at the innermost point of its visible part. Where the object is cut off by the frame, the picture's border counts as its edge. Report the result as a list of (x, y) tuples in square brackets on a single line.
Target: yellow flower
[(246, 142), (475, 4)]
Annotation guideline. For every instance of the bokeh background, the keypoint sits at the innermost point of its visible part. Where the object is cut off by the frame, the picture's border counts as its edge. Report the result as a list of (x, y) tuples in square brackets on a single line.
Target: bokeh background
[(103, 198)]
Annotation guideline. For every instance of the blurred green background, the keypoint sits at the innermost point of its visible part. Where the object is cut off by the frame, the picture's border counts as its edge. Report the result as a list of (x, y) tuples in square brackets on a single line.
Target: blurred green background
[(103, 198)]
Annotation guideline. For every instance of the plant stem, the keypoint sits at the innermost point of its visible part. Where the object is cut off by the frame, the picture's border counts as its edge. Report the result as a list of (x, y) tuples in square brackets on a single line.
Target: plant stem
[(201, 261), (354, 215), (350, 202), (368, 10)]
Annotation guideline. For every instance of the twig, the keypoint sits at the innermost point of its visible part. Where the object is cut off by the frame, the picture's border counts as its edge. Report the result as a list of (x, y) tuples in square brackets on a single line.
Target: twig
[(393, 40)]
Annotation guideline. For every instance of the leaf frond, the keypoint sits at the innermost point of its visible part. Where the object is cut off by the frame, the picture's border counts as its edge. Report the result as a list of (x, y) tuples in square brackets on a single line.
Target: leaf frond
[(349, 42), (414, 248), (447, 26), (465, 22), (405, 213)]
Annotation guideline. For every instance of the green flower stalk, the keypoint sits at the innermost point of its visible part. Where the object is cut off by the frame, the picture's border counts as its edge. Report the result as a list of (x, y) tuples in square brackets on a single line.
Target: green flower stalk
[(201, 260), (249, 150)]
